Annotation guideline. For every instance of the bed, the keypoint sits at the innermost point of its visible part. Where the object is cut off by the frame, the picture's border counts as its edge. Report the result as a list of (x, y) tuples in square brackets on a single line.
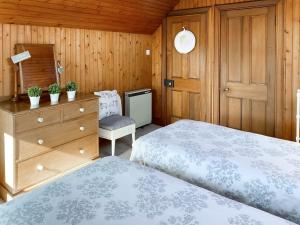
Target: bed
[(114, 191), (257, 170)]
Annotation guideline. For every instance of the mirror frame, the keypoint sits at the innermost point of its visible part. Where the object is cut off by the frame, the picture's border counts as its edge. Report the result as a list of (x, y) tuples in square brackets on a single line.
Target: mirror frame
[(39, 68)]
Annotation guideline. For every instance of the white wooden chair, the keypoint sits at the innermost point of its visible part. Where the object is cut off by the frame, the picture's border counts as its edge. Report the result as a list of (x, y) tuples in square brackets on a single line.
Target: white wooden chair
[(116, 126)]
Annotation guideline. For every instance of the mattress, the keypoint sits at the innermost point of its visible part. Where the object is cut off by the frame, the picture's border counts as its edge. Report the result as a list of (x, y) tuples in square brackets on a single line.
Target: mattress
[(112, 191), (257, 170)]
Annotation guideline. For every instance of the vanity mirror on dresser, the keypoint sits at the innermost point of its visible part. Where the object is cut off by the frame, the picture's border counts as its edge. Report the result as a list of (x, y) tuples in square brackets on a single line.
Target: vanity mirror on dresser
[(43, 143)]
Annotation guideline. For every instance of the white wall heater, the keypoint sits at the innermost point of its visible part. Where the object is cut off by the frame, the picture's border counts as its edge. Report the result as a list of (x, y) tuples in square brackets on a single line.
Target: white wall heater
[(138, 106)]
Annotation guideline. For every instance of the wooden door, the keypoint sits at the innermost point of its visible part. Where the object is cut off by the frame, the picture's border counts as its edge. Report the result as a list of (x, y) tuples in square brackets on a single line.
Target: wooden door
[(247, 94), (187, 100)]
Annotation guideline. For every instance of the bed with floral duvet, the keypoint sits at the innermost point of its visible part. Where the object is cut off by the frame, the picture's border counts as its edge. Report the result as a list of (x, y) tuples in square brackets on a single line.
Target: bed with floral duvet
[(113, 191), (257, 170)]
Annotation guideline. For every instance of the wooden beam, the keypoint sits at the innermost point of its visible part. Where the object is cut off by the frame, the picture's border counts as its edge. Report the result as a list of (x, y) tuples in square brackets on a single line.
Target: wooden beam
[(183, 12), (245, 5)]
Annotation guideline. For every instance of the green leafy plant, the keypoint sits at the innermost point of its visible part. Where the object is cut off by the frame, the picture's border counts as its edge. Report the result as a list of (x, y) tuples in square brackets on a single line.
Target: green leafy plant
[(54, 89), (34, 91), (71, 86)]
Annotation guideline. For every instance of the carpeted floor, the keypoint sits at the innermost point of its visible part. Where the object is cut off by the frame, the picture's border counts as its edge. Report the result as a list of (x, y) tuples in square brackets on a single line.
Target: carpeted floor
[(123, 145)]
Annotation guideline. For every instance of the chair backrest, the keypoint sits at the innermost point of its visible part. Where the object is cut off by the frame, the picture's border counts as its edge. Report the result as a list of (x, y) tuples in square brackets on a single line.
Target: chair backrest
[(109, 103), (120, 105)]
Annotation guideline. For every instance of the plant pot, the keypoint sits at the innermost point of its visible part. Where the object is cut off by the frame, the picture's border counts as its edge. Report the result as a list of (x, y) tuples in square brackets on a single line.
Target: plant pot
[(54, 98), (71, 95), (34, 102)]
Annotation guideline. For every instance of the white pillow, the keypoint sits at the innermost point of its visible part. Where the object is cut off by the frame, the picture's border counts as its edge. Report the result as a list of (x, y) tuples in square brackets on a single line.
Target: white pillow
[(108, 103)]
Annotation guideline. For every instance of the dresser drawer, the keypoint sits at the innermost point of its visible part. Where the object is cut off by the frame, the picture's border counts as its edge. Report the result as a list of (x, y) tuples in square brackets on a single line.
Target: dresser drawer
[(77, 109), (41, 140), (37, 118), (63, 158)]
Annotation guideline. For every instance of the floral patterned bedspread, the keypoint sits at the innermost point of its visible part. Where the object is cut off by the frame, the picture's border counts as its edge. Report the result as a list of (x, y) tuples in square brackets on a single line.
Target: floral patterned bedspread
[(257, 170), (113, 191)]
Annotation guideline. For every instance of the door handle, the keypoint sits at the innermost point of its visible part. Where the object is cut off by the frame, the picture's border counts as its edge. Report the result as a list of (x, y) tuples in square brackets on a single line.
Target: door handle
[(169, 83), (226, 89)]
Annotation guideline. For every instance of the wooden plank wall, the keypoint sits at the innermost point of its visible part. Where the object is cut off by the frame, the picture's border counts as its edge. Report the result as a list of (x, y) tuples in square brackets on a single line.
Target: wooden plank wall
[(97, 60), (157, 75), (290, 60), (287, 61)]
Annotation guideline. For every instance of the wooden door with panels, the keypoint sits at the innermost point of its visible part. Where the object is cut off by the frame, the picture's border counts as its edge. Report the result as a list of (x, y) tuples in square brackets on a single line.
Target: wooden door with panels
[(185, 100), (248, 70)]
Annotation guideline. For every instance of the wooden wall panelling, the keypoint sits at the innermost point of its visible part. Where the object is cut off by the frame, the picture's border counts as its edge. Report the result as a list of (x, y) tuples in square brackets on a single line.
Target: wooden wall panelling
[(212, 79), (1, 60), (296, 59), (68, 55), (134, 61), (6, 64), (63, 42), (279, 69), (157, 74), (216, 21), (288, 48), (116, 41), (133, 65), (288, 69), (77, 54), (287, 60), (96, 59)]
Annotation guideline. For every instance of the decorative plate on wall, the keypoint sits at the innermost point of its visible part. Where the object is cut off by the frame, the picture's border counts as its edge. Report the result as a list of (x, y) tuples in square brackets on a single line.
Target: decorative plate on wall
[(185, 41)]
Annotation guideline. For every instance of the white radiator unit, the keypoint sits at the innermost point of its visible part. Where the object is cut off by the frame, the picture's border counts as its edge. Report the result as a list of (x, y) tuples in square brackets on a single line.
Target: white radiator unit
[(138, 106)]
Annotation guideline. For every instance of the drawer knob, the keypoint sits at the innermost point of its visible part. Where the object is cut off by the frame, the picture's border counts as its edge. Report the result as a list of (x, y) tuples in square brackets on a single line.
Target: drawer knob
[(82, 151), (81, 110), (40, 119), (82, 128), (40, 168), (40, 141)]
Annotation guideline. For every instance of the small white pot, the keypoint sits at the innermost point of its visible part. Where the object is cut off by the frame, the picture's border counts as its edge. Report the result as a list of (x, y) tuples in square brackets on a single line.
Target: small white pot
[(54, 98), (71, 95), (34, 102)]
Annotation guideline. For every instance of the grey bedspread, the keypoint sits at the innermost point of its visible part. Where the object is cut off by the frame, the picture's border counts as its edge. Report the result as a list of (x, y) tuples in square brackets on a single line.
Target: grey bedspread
[(112, 191), (257, 170)]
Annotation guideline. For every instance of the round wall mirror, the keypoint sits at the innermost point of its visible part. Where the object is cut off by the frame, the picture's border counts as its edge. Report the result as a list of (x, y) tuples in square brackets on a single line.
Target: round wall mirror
[(185, 41)]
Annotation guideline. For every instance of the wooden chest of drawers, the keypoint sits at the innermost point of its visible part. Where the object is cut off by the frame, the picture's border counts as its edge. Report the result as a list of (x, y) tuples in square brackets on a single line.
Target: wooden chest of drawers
[(39, 144)]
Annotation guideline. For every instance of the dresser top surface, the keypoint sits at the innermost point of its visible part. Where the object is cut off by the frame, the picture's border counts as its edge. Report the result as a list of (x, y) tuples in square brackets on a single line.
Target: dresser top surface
[(24, 105)]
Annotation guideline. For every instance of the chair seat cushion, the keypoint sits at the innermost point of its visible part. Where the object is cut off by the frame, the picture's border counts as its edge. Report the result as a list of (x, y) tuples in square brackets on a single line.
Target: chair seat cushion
[(115, 122)]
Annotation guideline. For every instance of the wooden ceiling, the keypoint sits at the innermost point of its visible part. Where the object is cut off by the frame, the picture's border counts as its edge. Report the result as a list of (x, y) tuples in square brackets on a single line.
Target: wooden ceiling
[(135, 16)]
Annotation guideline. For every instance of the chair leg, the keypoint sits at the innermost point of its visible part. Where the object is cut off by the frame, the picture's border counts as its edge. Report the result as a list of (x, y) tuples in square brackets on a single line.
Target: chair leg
[(113, 147), (133, 137)]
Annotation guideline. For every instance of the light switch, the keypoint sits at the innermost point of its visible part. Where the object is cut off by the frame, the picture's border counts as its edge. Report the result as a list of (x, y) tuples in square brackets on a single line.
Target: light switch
[(148, 52)]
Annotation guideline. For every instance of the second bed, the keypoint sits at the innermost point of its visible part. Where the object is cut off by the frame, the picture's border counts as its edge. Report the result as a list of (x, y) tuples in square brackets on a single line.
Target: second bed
[(257, 170)]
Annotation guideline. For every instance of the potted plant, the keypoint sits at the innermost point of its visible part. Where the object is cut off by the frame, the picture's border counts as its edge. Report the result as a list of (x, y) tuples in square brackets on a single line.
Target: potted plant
[(54, 91), (71, 88), (34, 94)]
